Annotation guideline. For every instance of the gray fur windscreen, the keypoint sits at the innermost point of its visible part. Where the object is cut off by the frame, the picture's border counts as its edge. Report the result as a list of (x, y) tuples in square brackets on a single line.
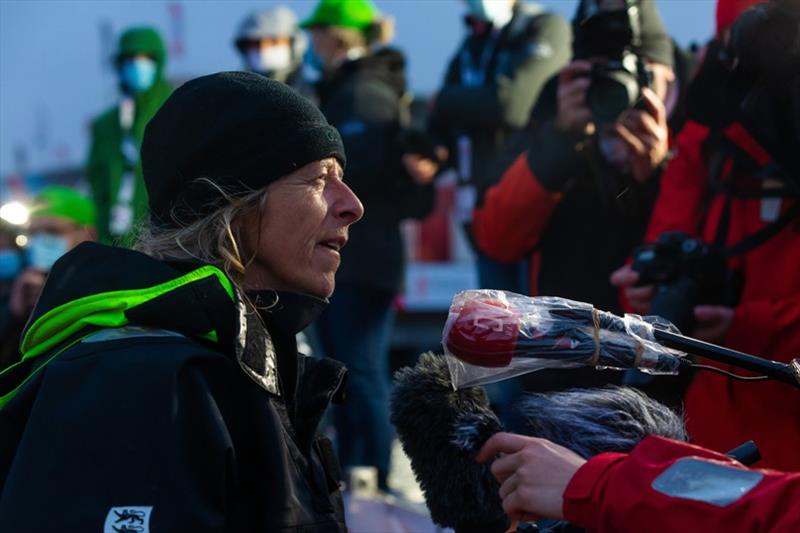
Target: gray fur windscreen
[(459, 492), (592, 421), (441, 430)]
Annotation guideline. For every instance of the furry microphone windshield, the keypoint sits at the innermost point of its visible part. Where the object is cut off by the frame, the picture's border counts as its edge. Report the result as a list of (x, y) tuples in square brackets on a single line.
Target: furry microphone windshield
[(592, 421), (441, 430)]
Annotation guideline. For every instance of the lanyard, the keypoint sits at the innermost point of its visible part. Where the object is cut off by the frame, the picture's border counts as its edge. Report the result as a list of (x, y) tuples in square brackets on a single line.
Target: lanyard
[(121, 215), (473, 75)]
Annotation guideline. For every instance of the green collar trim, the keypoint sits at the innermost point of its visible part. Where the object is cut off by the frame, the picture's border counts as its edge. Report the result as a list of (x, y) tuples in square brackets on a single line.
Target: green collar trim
[(105, 310), (7, 397)]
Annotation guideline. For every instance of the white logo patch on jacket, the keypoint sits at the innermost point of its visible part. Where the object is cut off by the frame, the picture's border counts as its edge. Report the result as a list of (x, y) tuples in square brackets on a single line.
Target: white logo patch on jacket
[(130, 519), (706, 481)]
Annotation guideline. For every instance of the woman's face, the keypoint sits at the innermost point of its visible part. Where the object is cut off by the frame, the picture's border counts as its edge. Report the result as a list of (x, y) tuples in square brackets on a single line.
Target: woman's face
[(303, 226)]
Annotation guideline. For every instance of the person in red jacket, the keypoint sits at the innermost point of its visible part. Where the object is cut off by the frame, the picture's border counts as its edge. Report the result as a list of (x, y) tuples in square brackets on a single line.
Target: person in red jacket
[(577, 196), (578, 191), (735, 182), (661, 485)]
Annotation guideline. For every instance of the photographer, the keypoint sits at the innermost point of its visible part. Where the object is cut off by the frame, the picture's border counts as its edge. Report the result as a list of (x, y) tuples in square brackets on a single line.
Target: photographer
[(662, 485), (579, 196), (734, 187)]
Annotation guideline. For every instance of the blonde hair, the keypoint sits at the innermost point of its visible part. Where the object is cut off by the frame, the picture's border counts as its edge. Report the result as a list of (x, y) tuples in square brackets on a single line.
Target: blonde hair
[(214, 239), (379, 32)]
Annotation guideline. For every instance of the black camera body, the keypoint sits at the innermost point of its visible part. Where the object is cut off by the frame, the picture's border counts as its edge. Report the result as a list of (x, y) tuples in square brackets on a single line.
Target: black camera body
[(616, 85), (686, 272)]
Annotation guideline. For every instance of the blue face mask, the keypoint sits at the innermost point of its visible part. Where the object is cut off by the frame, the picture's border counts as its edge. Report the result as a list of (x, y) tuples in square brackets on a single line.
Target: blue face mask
[(44, 250), (10, 264), (313, 67), (138, 74)]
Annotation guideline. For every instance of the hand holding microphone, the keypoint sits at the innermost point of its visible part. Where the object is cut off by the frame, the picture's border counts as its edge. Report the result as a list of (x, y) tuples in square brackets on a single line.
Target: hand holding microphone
[(533, 474)]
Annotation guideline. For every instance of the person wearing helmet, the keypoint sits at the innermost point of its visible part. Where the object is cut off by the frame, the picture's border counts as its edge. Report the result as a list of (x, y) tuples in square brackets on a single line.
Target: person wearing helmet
[(494, 78), (269, 43), (113, 168)]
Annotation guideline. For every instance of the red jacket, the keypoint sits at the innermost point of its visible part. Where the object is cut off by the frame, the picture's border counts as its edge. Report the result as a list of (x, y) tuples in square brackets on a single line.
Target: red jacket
[(574, 239), (722, 413), (671, 486)]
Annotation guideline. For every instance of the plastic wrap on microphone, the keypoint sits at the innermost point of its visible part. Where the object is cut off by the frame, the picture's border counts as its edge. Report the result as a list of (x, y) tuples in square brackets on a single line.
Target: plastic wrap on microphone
[(493, 335)]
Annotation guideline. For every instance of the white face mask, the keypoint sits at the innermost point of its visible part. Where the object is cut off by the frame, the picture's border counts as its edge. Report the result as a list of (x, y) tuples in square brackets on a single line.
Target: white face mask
[(498, 12), (269, 59), (43, 250)]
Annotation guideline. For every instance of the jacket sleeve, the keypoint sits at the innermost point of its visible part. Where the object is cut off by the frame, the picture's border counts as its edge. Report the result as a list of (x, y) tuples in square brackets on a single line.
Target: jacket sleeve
[(508, 224), (507, 100), (108, 436), (512, 214), (679, 206), (671, 486)]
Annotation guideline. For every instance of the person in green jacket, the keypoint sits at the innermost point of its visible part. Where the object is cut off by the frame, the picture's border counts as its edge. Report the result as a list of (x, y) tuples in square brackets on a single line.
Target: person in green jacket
[(114, 171)]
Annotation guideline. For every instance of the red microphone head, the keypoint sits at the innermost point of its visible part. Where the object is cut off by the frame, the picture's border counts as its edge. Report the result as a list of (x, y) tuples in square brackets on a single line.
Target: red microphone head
[(483, 333)]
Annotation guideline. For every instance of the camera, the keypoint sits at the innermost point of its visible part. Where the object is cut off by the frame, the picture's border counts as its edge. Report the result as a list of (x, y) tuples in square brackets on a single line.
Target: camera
[(686, 272), (615, 85)]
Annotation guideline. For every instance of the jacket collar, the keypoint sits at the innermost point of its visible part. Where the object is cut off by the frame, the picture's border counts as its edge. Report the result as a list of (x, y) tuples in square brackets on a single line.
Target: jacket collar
[(268, 325), (287, 311)]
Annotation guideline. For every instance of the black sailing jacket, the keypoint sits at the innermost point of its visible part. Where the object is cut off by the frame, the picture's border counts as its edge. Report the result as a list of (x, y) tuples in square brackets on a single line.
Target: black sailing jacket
[(149, 400), (365, 100)]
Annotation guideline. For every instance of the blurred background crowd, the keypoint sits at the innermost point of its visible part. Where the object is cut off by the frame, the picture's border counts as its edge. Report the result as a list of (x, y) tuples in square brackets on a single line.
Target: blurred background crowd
[(631, 154)]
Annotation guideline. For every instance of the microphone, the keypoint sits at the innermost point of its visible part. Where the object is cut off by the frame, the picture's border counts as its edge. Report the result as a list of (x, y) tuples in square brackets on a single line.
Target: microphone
[(507, 334), (441, 429)]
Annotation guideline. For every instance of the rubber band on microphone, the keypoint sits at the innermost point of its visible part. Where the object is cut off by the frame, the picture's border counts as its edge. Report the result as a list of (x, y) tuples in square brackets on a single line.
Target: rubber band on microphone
[(596, 334)]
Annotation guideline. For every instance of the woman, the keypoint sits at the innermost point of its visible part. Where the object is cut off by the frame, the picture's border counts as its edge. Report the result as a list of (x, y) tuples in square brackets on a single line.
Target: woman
[(363, 93), (162, 391)]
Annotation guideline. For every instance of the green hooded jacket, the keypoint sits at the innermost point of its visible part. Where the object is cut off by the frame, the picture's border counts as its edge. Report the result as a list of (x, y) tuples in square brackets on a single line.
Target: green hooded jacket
[(106, 163)]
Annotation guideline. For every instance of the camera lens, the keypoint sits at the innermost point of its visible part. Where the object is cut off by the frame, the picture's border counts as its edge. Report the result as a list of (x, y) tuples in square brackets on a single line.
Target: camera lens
[(610, 94)]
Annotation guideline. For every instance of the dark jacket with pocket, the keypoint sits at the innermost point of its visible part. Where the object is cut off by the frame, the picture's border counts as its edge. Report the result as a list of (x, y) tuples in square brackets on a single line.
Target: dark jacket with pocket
[(150, 398), (366, 100), (515, 64)]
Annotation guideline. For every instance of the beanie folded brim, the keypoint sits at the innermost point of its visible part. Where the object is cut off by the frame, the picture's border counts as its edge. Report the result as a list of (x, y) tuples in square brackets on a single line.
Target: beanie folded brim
[(226, 134), (250, 171)]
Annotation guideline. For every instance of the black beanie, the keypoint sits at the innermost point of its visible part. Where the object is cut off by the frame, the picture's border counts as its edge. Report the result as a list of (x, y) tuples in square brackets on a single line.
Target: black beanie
[(656, 44), (241, 130)]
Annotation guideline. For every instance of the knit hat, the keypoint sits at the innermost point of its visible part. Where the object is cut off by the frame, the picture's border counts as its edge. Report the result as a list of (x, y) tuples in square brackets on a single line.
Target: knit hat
[(238, 129), (655, 44), (358, 14), (63, 202), (729, 10)]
